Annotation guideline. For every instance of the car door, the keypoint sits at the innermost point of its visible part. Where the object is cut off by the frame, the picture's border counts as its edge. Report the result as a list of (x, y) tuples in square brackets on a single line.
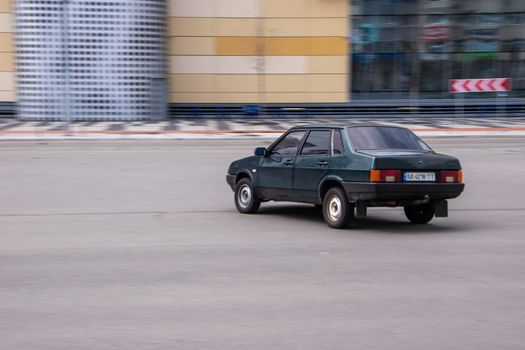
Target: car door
[(311, 165), (275, 170)]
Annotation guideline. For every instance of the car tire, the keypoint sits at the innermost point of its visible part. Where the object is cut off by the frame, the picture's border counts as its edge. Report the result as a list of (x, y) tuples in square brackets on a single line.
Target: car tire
[(245, 199), (337, 211), (420, 214)]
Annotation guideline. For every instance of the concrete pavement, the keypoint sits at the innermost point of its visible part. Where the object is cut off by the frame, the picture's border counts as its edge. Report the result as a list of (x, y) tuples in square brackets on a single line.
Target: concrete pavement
[(137, 245)]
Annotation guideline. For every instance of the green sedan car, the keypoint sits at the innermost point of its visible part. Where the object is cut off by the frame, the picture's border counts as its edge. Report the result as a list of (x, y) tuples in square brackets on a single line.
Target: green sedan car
[(345, 170)]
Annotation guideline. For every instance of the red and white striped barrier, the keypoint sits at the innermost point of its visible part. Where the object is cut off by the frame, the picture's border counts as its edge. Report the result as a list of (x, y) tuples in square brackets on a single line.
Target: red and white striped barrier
[(480, 85)]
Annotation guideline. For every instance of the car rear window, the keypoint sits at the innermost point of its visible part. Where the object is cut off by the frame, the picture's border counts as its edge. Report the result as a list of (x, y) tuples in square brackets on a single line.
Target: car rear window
[(385, 138)]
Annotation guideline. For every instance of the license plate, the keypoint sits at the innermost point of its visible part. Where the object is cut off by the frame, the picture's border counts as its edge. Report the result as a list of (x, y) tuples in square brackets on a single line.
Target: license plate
[(414, 177)]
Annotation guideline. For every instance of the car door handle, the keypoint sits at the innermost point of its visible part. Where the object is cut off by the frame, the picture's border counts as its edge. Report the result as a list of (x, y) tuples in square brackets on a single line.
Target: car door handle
[(288, 162), (322, 162)]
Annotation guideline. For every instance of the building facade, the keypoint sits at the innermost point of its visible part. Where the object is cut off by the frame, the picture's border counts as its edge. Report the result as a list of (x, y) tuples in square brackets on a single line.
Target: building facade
[(258, 51), (90, 60), (121, 59), (412, 48), (7, 61)]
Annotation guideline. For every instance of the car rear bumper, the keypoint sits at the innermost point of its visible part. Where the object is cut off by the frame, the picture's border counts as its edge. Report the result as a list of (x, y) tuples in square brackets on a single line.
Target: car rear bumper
[(364, 191), (230, 179)]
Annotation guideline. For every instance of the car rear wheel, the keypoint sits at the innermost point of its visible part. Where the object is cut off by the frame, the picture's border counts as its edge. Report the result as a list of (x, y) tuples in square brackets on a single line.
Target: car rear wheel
[(420, 214), (337, 211), (245, 199)]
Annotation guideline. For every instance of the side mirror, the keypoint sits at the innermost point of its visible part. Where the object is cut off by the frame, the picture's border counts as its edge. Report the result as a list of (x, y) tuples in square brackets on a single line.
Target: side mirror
[(261, 152)]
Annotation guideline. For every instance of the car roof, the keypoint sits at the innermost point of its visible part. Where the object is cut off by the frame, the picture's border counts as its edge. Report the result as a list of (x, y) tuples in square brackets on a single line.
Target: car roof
[(341, 126), (319, 126)]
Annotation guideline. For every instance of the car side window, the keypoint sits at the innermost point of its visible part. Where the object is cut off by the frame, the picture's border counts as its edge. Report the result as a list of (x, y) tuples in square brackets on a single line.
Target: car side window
[(338, 143), (317, 143), (289, 144)]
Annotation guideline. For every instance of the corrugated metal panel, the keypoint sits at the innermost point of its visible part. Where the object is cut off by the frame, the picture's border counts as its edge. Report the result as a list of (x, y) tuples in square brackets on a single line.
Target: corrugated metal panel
[(90, 59)]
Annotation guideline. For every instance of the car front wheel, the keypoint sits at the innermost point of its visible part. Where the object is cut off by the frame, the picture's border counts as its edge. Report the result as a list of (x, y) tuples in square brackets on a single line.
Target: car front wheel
[(337, 211), (245, 199), (420, 214)]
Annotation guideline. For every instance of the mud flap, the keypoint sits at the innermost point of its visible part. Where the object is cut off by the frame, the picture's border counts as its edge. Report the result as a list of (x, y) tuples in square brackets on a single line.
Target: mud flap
[(360, 209), (442, 209)]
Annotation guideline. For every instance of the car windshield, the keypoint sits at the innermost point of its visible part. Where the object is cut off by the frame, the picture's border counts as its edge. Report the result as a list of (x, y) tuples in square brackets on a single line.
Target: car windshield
[(385, 138)]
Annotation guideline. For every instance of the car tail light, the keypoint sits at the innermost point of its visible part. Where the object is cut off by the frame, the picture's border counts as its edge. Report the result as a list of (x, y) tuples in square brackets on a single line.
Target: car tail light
[(452, 176), (385, 175)]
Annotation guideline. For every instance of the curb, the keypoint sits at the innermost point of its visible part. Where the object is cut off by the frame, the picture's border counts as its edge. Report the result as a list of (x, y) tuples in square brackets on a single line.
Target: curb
[(193, 134), (215, 131)]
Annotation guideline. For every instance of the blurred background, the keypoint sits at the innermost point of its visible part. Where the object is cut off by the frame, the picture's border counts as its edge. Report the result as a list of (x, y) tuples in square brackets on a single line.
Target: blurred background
[(153, 59), (119, 231)]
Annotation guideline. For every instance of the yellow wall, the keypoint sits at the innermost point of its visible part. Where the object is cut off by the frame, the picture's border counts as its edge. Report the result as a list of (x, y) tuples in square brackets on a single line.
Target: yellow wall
[(7, 84), (258, 51), (241, 51)]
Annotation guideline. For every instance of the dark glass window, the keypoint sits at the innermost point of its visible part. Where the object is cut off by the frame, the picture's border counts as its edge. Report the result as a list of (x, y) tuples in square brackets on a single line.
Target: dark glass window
[(289, 144), (338, 142), (413, 48), (385, 138), (317, 143)]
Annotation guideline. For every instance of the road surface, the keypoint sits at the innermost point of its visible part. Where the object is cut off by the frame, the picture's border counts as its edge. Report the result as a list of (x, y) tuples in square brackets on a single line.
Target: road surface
[(137, 245)]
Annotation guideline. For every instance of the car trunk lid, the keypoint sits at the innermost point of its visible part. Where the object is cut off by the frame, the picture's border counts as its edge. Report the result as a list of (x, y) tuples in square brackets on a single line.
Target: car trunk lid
[(410, 160)]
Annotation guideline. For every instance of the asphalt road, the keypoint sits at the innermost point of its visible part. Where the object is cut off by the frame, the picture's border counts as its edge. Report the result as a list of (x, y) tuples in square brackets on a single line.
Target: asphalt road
[(137, 245)]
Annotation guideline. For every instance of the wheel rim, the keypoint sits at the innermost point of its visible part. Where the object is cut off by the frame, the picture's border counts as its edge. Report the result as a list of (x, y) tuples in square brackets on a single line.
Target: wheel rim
[(334, 208), (244, 196)]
